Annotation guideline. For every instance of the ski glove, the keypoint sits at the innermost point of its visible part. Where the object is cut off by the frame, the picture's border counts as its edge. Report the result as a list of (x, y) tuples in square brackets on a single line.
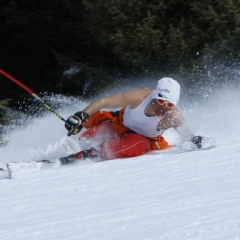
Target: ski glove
[(197, 140), (74, 123)]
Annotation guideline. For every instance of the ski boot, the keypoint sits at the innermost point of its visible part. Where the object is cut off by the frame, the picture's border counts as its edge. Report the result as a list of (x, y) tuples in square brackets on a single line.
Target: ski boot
[(90, 153)]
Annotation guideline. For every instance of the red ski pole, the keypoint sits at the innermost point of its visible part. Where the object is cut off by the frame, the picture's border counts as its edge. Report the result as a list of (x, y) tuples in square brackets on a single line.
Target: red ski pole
[(32, 93)]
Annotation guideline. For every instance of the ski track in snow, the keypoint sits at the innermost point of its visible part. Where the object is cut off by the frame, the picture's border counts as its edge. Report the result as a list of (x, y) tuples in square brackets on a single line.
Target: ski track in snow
[(158, 196)]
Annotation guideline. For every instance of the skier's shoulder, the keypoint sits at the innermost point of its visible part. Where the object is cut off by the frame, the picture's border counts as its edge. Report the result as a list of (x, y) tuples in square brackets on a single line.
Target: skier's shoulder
[(133, 98)]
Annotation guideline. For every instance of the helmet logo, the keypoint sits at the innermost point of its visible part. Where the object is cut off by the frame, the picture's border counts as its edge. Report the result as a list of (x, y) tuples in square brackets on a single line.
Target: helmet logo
[(161, 95), (164, 90)]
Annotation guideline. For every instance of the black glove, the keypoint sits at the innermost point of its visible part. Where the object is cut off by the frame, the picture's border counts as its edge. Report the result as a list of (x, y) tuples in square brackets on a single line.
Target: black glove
[(197, 140), (74, 123)]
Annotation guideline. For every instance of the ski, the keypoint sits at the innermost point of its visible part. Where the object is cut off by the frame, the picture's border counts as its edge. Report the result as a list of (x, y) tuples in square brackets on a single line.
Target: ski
[(173, 151), (17, 169), (198, 149)]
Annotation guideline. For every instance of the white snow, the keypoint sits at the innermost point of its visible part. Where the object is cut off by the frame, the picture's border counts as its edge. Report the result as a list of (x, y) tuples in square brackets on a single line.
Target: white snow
[(158, 196)]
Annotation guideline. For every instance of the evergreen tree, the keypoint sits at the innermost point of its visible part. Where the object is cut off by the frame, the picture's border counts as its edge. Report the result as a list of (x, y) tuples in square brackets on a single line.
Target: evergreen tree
[(102, 38)]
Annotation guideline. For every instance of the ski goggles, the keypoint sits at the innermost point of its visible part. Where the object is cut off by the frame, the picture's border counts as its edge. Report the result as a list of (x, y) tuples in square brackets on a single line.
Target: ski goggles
[(162, 102)]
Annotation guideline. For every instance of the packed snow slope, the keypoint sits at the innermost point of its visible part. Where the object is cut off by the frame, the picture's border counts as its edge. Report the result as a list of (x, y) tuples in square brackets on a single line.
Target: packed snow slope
[(172, 194)]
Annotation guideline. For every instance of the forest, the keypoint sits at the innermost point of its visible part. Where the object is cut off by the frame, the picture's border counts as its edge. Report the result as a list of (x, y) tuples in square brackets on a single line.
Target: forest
[(62, 46)]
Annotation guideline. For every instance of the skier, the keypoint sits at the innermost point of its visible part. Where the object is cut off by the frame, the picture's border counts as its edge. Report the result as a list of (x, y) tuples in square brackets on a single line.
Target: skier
[(137, 127)]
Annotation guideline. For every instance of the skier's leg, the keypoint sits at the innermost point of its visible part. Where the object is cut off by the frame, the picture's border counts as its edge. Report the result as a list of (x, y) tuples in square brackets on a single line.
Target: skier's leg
[(128, 145), (101, 132)]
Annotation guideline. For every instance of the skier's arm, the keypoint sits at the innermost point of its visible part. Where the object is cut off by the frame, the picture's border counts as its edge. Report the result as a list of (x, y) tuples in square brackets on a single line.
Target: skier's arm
[(130, 98), (184, 131), (187, 135)]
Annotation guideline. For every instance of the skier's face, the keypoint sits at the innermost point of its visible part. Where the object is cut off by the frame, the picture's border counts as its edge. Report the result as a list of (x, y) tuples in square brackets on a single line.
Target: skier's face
[(160, 109)]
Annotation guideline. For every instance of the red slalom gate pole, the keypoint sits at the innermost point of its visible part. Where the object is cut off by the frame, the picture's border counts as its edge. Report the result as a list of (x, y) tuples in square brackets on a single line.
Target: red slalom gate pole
[(32, 93)]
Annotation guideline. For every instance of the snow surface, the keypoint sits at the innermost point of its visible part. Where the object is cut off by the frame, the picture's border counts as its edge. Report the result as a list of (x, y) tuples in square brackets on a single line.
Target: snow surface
[(160, 195)]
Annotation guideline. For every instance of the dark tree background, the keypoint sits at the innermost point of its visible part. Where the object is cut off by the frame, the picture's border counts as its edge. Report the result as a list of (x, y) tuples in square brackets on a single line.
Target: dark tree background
[(104, 40)]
